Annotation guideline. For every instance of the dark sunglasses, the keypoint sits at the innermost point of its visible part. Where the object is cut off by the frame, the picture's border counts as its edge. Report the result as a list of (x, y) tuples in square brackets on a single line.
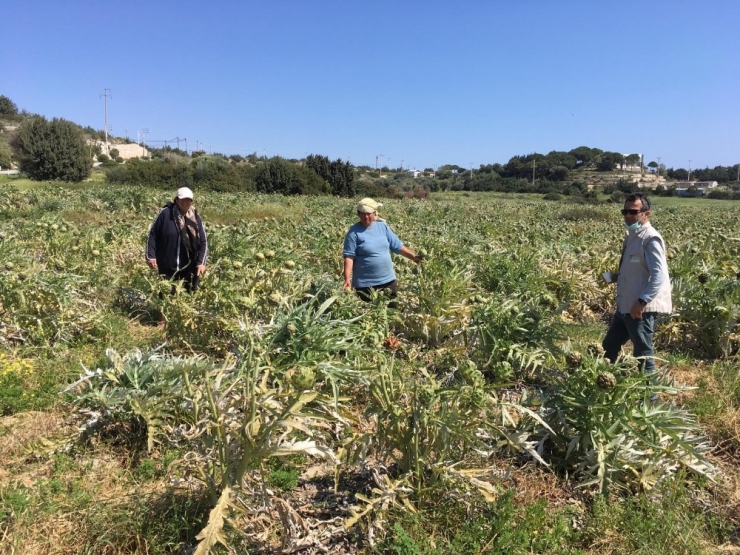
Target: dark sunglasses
[(631, 211)]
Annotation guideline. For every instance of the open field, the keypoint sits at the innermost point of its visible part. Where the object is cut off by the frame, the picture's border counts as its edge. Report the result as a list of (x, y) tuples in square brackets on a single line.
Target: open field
[(274, 412)]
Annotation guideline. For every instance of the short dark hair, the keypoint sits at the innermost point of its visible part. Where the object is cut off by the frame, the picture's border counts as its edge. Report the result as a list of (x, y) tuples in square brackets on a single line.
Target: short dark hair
[(643, 199)]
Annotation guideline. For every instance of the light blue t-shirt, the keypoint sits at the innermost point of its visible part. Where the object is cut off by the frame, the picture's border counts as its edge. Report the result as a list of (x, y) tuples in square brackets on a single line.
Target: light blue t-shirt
[(371, 249)]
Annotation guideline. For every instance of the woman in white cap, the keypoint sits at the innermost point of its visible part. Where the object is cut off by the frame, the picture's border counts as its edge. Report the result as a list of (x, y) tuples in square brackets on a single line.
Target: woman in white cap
[(177, 246), (367, 253)]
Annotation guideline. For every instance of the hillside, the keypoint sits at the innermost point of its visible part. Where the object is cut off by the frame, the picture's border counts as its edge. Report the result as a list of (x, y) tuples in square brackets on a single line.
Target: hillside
[(596, 179)]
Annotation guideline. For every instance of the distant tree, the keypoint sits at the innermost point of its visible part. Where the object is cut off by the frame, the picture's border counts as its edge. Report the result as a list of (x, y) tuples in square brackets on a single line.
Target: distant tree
[(52, 150), (608, 161), (679, 174), (114, 153), (5, 158), (586, 156), (558, 158), (627, 186), (102, 157), (632, 159), (517, 166), (558, 173), (488, 168), (280, 176), (7, 107), (339, 175), (652, 164)]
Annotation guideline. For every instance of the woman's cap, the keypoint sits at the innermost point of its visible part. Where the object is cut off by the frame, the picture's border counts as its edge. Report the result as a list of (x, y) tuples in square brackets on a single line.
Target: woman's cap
[(368, 206), (184, 192)]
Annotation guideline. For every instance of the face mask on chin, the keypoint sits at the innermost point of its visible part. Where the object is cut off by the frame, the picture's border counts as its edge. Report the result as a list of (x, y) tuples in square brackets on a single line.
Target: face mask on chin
[(633, 227)]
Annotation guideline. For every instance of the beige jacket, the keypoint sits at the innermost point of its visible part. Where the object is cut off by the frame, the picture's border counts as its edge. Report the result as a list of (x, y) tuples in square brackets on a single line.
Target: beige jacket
[(635, 275)]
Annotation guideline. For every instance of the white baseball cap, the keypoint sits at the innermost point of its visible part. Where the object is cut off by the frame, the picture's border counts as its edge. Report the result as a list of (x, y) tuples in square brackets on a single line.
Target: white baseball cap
[(184, 192)]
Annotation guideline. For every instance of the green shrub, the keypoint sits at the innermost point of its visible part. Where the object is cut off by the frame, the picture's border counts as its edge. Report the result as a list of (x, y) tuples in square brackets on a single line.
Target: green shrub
[(553, 196), (49, 150)]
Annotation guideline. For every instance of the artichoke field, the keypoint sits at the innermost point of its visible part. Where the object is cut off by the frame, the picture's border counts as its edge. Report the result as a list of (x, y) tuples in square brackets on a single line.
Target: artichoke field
[(270, 358)]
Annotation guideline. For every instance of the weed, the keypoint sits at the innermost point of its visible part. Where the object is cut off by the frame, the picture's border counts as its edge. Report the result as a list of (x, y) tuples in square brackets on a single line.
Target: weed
[(664, 521), (465, 526)]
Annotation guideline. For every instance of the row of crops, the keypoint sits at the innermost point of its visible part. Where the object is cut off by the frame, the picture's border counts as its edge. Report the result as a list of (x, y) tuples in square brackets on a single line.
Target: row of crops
[(480, 370)]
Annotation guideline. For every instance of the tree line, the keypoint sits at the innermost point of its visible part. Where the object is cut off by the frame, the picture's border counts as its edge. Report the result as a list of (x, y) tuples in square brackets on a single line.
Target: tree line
[(57, 150), (317, 175)]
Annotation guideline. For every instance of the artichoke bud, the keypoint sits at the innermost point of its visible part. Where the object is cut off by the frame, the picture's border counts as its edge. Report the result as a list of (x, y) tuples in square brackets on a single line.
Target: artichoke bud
[(574, 359), (606, 380), (304, 378), (426, 395)]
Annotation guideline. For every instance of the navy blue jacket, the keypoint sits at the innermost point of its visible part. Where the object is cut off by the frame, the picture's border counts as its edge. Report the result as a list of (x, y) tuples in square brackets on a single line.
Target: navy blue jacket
[(165, 246)]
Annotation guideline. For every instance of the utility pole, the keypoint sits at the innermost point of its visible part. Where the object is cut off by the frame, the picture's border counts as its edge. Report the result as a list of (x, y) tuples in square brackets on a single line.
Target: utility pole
[(186, 145), (143, 137), (126, 131), (401, 165), (534, 165), (105, 95), (389, 163), (379, 168), (689, 178), (471, 169)]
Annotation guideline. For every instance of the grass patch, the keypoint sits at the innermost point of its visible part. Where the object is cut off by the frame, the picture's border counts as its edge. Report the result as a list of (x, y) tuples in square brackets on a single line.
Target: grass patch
[(663, 521), (717, 404), (452, 526)]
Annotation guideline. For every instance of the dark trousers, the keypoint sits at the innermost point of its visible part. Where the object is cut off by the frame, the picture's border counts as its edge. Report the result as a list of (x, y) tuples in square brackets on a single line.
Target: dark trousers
[(365, 293), (623, 328), (188, 275)]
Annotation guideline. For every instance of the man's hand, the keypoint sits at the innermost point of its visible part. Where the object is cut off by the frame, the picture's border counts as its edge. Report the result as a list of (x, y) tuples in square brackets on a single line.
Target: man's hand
[(200, 270), (637, 309), (347, 283), (151, 262)]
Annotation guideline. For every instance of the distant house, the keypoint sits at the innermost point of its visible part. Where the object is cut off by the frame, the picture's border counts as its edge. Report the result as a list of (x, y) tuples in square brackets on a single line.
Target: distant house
[(693, 188), (414, 173)]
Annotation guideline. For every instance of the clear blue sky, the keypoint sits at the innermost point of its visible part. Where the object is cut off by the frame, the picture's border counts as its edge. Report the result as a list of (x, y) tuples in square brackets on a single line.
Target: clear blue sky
[(427, 82)]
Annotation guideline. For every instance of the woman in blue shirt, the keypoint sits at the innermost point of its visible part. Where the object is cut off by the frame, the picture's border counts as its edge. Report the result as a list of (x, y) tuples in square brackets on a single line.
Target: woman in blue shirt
[(367, 253)]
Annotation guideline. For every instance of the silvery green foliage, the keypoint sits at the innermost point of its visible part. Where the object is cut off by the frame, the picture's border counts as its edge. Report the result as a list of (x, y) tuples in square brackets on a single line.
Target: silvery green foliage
[(610, 427)]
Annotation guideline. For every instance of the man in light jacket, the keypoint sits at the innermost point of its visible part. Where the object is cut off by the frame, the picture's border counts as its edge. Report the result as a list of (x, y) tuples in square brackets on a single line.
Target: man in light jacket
[(643, 285)]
